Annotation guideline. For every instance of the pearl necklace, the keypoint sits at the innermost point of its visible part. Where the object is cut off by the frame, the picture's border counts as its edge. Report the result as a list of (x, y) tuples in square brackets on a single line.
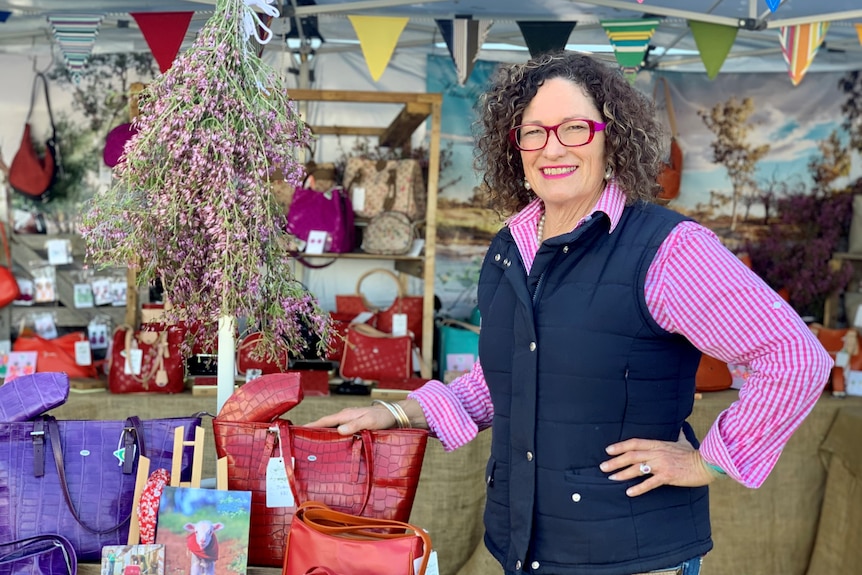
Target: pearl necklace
[(540, 229)]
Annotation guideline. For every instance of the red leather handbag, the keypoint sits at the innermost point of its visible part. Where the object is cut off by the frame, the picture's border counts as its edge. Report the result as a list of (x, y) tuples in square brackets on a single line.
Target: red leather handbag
[(246, 357), (325, 542), (373, 355), (163, 367), (372, 473), (31, 174), (9, 290)]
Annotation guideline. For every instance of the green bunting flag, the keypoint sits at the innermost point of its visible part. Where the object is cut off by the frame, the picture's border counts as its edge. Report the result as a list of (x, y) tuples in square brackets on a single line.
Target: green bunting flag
[(714, 42), (548, 36), (630, 39)]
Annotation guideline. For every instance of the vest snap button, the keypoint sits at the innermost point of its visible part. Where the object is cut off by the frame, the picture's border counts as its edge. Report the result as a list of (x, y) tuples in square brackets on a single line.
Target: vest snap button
[(532, 346), (518, 566), (529, 456), (576, 497), (565, 249), (497, 258), (534, 564)]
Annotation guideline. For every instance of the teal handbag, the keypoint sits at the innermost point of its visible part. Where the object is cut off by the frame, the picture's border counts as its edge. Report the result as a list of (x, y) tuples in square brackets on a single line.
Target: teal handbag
[(459, 348)]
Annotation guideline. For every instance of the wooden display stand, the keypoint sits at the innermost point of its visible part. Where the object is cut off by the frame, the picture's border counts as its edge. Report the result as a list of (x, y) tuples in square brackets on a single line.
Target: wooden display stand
[(417, 107)]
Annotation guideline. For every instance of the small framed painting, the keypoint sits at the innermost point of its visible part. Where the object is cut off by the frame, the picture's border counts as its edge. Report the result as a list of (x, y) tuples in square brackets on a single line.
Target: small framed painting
[(204, 531), (133, 560)]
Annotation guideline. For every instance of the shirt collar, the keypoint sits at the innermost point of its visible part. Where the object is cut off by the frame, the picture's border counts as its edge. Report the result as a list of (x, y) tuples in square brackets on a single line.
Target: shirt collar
[(611, 202)]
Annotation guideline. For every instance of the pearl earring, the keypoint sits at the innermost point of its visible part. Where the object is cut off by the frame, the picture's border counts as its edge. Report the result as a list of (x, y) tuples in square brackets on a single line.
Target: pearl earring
[(609, 172), (527, 185)]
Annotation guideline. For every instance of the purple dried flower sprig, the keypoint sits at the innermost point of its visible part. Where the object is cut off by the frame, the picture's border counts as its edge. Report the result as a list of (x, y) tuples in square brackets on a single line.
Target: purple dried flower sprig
[(191, 203)]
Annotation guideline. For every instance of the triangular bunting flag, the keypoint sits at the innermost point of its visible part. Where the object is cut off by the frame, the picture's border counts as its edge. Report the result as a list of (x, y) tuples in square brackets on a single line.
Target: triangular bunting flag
[(467, 37), (799, 44), (378, 36), (448, 34), (76, 36), (4, 15), (714, 42), (164, 33), (773, 5), (545, 36), (630, 39), (859, 31)]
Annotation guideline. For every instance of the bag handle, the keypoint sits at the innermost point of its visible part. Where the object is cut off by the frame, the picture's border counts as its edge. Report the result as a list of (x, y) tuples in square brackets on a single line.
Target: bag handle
[(373, 271), (668, 101), (33, 546), (370, 331), (158, 363), (44, 79), (321, 518), (462, 324), (133, 437)]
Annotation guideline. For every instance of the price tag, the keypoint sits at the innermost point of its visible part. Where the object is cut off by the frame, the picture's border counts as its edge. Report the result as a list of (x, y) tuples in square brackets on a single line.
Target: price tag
[(842, 359), (278, 492), (399, 324), (59, 252), (133, 361), (357, 197), (316, 242), (432, 569), (83, 296), (83, 355)]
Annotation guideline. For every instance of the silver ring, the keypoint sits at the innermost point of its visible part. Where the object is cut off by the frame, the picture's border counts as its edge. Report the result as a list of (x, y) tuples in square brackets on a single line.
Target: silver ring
[(645, 468)]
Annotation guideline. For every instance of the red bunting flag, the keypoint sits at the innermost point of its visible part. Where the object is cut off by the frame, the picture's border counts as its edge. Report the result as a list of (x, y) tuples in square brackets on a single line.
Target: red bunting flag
[(164, 33)]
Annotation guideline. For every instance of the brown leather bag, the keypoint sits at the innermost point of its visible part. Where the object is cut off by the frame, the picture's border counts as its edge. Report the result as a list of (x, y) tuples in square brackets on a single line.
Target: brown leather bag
[(32, 174), (836, 341), (712, 375), (671, 174)]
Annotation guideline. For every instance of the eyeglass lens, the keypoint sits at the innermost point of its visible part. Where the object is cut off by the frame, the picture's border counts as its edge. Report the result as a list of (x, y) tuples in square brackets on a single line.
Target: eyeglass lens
[(571, 133)]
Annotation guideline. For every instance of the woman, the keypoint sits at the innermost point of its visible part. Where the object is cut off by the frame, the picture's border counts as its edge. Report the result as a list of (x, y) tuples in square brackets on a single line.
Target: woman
[(596, 305)]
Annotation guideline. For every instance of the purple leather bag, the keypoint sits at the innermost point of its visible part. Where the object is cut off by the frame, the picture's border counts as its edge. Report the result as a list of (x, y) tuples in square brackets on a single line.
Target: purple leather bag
[(27, 396), (40, 555), (78, 477), (331, 212)]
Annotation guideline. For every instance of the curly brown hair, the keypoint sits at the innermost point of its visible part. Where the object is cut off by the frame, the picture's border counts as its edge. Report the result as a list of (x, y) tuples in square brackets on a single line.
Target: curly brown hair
[(633, 136)]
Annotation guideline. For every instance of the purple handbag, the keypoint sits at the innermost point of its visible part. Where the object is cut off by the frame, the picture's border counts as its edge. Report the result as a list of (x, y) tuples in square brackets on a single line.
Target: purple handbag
[(330, 212), (27, 396), (78, 477), (40, 555)]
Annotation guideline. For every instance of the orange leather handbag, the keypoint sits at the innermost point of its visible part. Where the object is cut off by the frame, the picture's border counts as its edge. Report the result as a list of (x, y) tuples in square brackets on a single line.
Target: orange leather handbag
[(837, 341), (671, 174), (712, 375)]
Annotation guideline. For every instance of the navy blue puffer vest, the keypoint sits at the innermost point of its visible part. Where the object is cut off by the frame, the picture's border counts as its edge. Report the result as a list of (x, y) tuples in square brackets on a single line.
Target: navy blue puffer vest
[(574, 363)]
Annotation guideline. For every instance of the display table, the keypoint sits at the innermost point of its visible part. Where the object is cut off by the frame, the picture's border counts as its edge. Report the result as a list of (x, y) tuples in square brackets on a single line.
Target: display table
[(769, 530)]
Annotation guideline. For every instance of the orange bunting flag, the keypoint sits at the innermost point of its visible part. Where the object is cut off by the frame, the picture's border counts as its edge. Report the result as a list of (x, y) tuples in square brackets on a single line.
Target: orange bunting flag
[(799, 44), (378, 36), (859, 31)]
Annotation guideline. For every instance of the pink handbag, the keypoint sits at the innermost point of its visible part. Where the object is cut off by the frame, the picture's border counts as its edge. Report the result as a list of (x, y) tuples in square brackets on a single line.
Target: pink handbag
[(329, 212)]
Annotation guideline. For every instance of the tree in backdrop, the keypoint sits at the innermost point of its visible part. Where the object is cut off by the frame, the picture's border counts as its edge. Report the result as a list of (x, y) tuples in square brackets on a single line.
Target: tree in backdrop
[(730, 148), (832, 163), (851, 85)]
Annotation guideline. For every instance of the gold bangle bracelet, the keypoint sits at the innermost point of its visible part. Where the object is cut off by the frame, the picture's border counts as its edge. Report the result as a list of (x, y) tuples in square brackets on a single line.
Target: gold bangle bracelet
[(404, 419), (400, 417)]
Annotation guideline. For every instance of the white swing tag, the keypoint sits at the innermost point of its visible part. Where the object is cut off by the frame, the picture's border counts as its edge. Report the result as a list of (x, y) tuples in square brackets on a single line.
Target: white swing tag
[(133, 361), (357, 196), (83, 355), (431, 569), (399, 324), (842, 359), (278, 493)]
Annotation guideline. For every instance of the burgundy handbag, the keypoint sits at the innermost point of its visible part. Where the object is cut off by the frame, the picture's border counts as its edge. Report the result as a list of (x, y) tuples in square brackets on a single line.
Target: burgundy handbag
[(372, 473), (56, 355), (40, 555), (329, 212), (28, 396), (162, 363), (78, 477), (323, 541)]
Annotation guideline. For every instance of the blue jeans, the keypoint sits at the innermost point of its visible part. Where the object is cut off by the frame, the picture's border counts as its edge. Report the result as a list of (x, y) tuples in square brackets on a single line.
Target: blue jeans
[(690, 567)]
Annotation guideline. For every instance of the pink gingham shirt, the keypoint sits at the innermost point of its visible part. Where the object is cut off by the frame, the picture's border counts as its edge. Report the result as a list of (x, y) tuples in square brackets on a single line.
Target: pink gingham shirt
[(699, 289)]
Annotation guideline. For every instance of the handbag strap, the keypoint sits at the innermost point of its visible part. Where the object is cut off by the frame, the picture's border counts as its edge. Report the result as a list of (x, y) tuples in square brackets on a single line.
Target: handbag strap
[(370, 331), (6, 245), (158, 363), (668, 102), (44, 79), (462, 324), (373, 271), (33, 546), (321, 518), (133, 436)]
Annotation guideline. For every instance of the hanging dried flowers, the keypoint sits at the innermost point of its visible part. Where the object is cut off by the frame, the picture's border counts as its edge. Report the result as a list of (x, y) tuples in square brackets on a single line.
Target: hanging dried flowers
[(191, 203)]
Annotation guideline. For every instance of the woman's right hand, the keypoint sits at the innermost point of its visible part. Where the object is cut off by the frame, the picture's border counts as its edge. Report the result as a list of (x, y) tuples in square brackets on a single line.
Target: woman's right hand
[(353, 419)]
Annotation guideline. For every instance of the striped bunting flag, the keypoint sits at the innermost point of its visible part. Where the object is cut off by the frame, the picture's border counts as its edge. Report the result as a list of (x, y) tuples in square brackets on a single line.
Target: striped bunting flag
[(464, 38), (76, 36), (799, 44), (630, 39)]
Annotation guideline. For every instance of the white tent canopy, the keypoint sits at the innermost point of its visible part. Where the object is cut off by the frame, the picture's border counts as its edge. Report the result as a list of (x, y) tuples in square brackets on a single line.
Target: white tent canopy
[(756, 49)]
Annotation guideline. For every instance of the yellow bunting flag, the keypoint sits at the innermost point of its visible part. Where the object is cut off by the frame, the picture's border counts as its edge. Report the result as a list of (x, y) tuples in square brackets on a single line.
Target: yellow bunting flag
[(714, 42), (799, 44), (378, 36), (859, 31)]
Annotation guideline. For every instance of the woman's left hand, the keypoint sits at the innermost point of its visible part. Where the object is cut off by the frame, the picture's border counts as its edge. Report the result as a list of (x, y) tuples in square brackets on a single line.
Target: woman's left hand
[(659, 462)]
